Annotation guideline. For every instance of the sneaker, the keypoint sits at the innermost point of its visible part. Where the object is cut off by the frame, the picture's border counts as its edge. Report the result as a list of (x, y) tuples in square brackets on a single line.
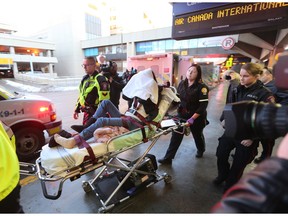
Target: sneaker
[(165, 161)]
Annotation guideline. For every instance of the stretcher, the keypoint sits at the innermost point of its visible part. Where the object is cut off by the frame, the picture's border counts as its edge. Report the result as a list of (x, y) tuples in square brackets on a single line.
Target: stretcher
[(118, 178)]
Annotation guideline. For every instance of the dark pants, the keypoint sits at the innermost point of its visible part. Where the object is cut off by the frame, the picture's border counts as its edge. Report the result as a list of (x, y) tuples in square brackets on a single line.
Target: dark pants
[(267, 145), (176, 139), (11, 203), (243, 156)]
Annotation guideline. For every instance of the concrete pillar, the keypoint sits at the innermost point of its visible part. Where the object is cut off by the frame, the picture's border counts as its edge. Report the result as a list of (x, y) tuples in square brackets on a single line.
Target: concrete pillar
[(12, 50), (31, 65), (15, 66), (130, 49), (50, 69)]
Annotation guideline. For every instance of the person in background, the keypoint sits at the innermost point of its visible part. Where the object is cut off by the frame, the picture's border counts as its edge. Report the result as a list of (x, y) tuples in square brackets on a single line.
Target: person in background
[(116, 85), (234, 79), (250, 88), (126, 76), (9, 174), (193, 94), (281, 97), (94, 88), (262, 190)]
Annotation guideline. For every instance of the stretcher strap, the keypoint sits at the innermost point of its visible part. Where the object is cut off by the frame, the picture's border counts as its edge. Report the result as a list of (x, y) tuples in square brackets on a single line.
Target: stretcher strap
[(157, 124), (81, 143), (129, 118)]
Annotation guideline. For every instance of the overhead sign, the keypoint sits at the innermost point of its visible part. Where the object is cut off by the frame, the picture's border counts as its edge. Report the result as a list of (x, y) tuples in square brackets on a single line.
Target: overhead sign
[(180, 8), (233, 18)]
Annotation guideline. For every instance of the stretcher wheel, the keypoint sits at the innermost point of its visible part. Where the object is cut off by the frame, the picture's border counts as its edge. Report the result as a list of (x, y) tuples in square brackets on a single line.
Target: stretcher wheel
[(167, 178), (86, 187)]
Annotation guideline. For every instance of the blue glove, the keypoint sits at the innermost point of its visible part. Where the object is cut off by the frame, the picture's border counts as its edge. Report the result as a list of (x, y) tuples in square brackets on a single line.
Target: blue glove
[(190, 121)]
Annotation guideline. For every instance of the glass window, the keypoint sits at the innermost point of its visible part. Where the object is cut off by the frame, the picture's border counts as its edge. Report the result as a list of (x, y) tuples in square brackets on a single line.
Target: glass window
[(169, 44), (162, 45)]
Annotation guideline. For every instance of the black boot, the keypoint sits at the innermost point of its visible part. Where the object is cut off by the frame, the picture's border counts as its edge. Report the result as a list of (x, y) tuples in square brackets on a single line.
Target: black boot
[(80, 128)]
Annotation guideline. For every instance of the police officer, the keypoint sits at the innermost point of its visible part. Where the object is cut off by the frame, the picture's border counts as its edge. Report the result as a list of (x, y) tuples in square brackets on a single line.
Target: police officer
[(94, 88), (9, 174), (193, 94), (250, 88)]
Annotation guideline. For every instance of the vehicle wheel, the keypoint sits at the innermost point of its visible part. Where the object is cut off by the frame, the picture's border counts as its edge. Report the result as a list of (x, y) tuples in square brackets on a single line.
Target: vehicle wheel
[(86, 187), (167, 178), (28, 141)]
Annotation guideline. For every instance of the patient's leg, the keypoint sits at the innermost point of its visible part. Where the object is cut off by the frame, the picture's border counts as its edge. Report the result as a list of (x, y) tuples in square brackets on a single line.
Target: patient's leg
[(106, 106), (66, 143)]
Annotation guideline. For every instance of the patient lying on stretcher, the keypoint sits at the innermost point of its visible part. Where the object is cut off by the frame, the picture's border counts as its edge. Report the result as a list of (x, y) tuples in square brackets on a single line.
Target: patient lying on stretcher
[(144, 108)]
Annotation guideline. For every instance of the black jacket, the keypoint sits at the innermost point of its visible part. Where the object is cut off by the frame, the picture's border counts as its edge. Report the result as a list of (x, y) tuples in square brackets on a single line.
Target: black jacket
[(116, 87), (262, 190), (257, 92), (194, 99)]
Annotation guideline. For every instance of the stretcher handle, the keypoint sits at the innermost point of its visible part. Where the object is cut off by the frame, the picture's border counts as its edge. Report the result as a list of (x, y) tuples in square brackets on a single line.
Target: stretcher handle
[(27, 168), (48, 196)]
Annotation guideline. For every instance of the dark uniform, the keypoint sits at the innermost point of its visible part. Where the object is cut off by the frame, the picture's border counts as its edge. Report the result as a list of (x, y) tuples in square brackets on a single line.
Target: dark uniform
[(116, 85), (243, 154), (194, 99), (93, 89)]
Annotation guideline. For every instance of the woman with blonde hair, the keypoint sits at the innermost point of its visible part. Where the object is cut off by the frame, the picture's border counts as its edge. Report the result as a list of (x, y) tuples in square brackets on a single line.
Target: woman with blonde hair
[(250, 88)]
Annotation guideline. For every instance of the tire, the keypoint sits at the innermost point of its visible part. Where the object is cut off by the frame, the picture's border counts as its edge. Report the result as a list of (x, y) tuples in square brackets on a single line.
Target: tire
[(86, 187), (28, 141)]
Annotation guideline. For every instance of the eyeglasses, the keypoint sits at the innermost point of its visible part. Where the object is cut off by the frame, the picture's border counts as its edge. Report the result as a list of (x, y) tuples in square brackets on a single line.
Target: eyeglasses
[(87, 65)]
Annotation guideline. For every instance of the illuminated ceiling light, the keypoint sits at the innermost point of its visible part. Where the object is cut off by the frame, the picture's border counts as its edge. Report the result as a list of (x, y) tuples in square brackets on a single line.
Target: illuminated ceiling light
[(286, 47), (28, 50)]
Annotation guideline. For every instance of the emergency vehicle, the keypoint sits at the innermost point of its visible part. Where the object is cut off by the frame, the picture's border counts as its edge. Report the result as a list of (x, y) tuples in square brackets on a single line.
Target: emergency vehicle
[(171, 67), (28, 116)]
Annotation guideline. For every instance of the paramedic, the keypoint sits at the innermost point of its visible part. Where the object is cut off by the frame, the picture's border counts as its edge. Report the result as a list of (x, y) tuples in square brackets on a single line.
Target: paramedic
[(250, 88), (193, 94), (9, 174), (262, 190), (94, 88)]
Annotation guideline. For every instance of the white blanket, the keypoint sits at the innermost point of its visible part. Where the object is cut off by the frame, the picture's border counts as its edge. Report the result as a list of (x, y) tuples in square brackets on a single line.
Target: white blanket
[(142, 85)]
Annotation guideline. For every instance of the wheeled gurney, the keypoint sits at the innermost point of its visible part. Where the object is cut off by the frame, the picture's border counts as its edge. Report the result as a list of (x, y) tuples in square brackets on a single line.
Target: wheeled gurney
[(124, 177)]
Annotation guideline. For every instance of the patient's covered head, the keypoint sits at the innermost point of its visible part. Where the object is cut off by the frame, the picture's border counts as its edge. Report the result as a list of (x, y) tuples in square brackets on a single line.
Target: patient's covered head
[(103, 134)]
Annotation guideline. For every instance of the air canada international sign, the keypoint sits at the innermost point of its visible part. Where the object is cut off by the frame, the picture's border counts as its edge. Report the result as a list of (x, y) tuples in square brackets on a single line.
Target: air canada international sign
[(208, 19)]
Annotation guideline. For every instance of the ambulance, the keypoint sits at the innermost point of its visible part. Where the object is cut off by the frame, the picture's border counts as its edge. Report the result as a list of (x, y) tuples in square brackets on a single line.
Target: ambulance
[(29, 116)]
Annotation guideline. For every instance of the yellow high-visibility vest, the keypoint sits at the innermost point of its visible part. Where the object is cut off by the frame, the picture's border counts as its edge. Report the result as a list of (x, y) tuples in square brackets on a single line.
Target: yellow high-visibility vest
[(9, 164)]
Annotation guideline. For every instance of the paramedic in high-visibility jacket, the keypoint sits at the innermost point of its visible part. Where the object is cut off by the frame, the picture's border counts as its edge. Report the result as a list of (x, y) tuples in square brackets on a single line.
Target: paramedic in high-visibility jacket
[(9, 173), (94, 88)]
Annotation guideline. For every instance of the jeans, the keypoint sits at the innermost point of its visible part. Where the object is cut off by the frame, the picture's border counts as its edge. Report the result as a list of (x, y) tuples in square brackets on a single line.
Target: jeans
[(106, 106)]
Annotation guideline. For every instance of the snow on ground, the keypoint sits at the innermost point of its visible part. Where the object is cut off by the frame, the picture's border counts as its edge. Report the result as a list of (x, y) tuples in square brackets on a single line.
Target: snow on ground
[(37, 88)]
